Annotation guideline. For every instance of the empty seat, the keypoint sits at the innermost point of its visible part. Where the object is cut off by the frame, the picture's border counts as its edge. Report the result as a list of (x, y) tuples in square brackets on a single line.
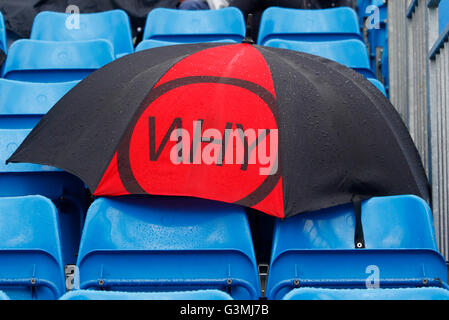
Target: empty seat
[(167, 244), (317, 249), (52, 61), (66, 191), (189, 26), (149, 44), (351, 53), (179, 295), (310, 25), (113, 26), (371, 294), (22, 104), (3, 43), (30, 252)]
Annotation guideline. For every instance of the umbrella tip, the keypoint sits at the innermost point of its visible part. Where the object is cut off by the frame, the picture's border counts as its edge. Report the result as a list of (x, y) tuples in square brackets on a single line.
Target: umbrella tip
[(249, 30)]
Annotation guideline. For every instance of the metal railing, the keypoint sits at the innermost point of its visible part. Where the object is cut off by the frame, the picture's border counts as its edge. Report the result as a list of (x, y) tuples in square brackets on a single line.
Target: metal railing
[(419, 89)]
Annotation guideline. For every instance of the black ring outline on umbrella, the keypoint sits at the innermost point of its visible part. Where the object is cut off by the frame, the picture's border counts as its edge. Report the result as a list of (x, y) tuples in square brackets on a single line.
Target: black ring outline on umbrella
[(123, 161)]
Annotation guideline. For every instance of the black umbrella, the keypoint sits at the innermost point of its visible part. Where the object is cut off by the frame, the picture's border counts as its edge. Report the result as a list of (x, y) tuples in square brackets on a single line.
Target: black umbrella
[(276, 130)]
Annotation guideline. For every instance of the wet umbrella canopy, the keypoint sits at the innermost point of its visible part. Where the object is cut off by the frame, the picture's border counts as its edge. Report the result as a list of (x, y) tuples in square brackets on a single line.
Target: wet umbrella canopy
[(272, 129)]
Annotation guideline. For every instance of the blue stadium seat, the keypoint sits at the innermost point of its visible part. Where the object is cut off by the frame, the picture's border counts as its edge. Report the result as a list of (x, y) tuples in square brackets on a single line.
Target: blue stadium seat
[(66, 191), (195, 26), (113, 295), (351, 53), (113, 26), (30, 252), (52, 61), (167, 244), (317, 249), (22, 104), (371, 294), (309, 25), (3, 43), (149, 44)]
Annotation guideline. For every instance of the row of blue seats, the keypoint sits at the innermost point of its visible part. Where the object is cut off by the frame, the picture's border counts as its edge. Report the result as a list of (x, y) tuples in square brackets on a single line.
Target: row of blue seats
[(177, 247), (332, 33), (22, 105), (198, 26), (31, 61), (38, 72)]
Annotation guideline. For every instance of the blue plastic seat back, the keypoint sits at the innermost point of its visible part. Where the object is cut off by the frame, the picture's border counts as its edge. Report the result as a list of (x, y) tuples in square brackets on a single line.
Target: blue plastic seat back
[(190, 26), (113, 26), (22, 104), (53, 61), (66, 190), (30, 252), (176, 295), (317, 249), (3, 43), (150, 44), (310, 25), (189, 243), (351, 53), (371, 294)]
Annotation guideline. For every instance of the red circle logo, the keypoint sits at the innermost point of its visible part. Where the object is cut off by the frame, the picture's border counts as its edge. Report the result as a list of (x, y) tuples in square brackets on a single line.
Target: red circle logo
[(203, 136)]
